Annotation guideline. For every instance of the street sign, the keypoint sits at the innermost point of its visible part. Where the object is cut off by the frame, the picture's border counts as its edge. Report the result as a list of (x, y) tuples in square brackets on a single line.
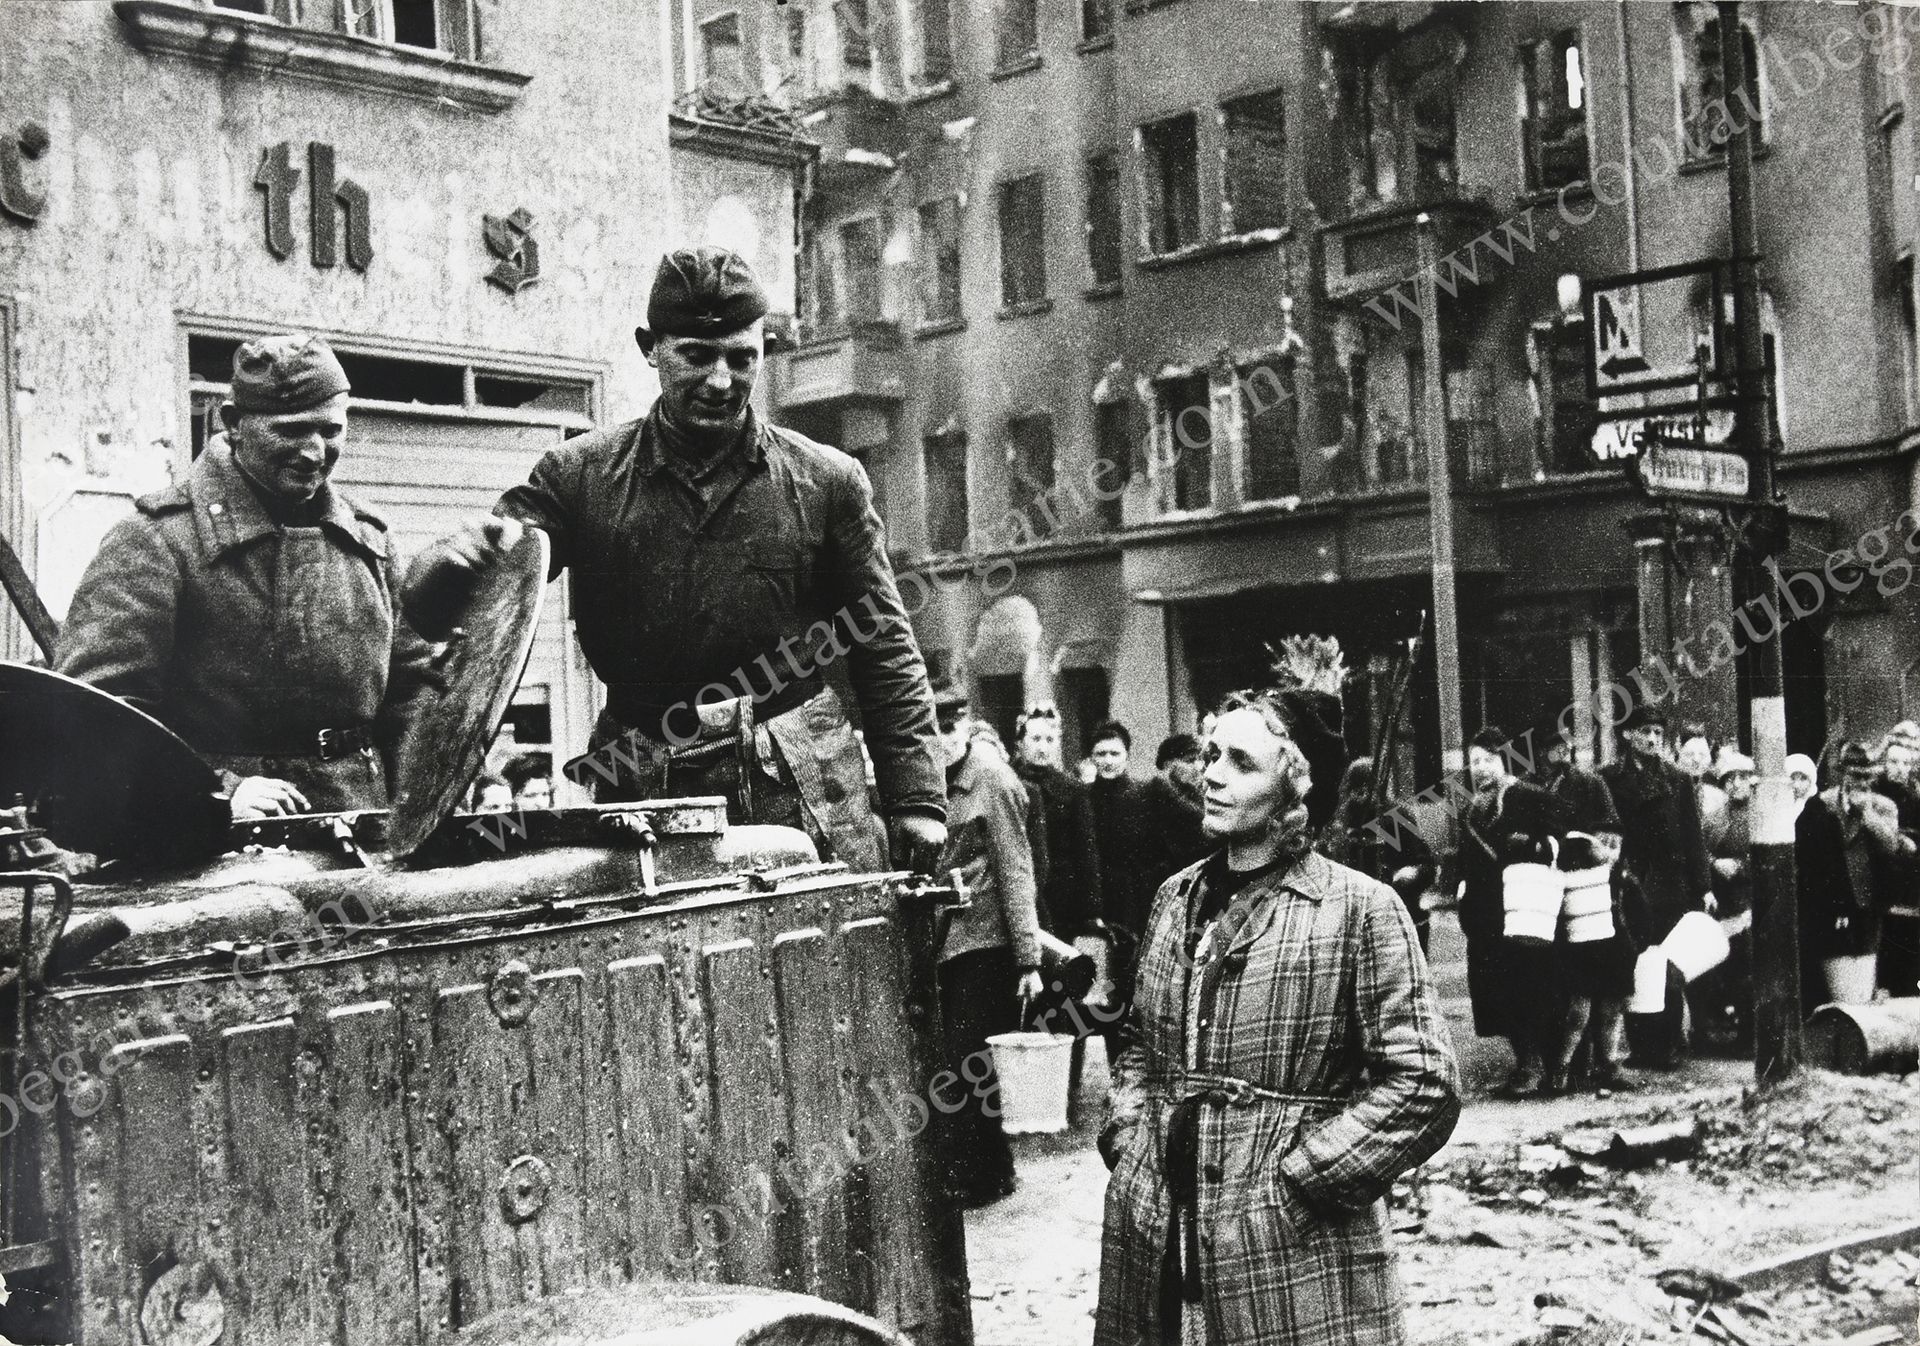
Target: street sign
[(1672, 347), (1616, 441), (1617, 356), (1666, 469)]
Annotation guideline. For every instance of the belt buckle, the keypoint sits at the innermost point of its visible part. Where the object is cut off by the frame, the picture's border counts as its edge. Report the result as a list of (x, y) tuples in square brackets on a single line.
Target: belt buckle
[(328, 744)]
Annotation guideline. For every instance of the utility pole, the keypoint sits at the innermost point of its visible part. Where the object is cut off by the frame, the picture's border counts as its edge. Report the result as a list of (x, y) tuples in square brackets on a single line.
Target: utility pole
[(1777, 1050), (1446, 625)]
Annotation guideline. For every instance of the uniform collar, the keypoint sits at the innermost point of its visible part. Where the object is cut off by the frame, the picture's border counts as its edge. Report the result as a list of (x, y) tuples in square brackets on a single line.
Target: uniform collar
[(653, 449), (227, 514)]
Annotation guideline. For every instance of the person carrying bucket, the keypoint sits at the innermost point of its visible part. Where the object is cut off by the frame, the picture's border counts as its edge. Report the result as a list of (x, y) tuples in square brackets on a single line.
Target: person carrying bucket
[(1853, 861), (1510, 835)]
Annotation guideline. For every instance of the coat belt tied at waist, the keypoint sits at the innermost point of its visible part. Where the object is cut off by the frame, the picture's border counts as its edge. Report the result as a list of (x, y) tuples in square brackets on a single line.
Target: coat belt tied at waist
[(1183, 1156)]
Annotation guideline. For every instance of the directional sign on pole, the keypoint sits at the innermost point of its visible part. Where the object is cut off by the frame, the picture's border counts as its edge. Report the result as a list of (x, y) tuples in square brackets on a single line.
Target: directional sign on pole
[(1616, 338), (1666, 469), (1671, 348)]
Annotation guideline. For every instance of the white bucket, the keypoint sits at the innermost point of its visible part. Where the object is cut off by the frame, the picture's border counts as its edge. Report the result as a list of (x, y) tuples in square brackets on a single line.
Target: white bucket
[(1696, 944), (1532, 894), (1034, 1069), (1850, 980), (1588, 905), (1649, 983)]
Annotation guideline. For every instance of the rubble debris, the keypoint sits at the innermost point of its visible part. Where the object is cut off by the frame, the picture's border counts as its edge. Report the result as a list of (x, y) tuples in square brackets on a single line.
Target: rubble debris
[(1699, 1285)]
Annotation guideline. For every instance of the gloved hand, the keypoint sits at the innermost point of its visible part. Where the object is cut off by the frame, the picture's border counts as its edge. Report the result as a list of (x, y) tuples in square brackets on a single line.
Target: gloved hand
[(441, 579), (917, 841)]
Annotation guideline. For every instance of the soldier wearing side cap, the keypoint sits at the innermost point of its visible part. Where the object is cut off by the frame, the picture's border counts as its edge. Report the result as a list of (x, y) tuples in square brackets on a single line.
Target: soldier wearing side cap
[(253, 608), (723, 570)]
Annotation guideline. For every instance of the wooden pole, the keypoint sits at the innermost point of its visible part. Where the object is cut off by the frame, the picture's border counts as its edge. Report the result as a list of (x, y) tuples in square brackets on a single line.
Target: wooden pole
[(1446, 627)]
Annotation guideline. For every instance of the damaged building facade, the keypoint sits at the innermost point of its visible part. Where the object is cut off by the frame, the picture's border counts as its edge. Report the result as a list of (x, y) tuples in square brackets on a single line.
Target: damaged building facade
[(1112, 299), (467, 197)]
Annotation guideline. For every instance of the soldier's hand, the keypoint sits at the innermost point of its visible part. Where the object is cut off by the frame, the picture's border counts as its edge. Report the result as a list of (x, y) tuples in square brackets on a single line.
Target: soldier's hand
[(483, 542), (265, 797), (917, 841)]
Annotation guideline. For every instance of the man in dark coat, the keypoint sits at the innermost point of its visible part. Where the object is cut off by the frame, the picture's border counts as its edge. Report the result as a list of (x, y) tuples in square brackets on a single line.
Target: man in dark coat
[(721, 566), (1120, 830), (1900, 928), (1066, 859), (1173, 809), (252, 608), (1851, 861), (1663, 848)]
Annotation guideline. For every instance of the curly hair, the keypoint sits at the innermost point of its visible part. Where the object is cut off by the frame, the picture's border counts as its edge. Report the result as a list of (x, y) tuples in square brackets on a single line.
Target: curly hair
[(1294, 832)]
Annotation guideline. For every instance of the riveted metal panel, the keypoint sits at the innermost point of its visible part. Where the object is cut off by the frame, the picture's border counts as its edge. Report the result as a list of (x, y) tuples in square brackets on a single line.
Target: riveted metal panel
[(386, 1139)]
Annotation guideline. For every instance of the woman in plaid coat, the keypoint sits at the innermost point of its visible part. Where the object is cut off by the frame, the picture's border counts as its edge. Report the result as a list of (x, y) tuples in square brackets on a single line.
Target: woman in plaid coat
[(1288, 1061)]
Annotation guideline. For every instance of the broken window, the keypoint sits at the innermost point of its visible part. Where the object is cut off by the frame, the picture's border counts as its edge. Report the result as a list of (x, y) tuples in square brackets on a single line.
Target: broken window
[(1023, 263), (1564, 417), (1707, 116), (819, 285), (934, 22), (1186, 428), (1018, 34), (860, 248), (1553, 129), (1270, 419), (1030, 472), (1170, 179), (723, 60), (1096, 20), (1103, 218), (945, 455), (1113, 454), (1256, 178), (940, 260), (856, 44)]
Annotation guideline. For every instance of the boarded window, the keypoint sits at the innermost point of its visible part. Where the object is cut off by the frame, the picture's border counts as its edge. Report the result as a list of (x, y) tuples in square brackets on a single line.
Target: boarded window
[(945, 454), (1018, 36), (1096, 20), (1103, 218), (860, 254), (939, 260), (1186, 417), (723, 61), (1256, 188), (1170, 173), (1270, 417), (1707, 117), (935, 23), (1554, 131), (1023, 259), (1113, 453), (1030, 473)]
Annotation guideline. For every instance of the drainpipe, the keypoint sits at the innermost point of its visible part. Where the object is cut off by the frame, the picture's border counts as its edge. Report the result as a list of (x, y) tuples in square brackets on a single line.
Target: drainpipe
[(1626, 137)]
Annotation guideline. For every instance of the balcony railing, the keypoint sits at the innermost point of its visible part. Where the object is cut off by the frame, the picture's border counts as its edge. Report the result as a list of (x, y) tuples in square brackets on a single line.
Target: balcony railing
[(863, 362)]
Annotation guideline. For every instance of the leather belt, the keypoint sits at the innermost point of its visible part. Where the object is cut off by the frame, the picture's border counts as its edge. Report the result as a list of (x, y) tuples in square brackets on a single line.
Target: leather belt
[(327, 745)]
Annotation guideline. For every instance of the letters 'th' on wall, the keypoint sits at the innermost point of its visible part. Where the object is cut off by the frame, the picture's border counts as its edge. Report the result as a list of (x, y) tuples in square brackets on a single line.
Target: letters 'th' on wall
[(277, 178)]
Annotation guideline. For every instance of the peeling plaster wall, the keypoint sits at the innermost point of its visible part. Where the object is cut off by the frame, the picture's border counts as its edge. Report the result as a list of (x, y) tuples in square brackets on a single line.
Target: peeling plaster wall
[(152, 212)]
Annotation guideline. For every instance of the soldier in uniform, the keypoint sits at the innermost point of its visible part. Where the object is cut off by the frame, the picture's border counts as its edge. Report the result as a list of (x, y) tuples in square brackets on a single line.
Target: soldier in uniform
[(253, 608), (723, 570)]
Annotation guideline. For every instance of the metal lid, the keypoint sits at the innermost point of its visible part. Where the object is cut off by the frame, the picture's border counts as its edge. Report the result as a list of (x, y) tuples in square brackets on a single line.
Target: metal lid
[(453, 726), (106, 777)]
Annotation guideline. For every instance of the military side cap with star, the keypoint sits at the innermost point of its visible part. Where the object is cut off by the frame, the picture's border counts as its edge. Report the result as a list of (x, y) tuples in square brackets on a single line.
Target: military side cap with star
[(704, 292), (279, 374)]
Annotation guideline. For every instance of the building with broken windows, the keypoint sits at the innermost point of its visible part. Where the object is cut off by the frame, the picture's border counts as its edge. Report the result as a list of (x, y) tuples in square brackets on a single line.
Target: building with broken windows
[(1113, 297), (468, 197)]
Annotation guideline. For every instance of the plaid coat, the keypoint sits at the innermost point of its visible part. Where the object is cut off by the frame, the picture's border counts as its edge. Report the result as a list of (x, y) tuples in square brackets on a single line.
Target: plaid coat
[(1313, 986)]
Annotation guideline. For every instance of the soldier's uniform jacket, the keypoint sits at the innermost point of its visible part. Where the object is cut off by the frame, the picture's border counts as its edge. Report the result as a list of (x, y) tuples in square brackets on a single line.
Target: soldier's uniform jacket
[(748, 578), (1297, 1045), (247, 638)]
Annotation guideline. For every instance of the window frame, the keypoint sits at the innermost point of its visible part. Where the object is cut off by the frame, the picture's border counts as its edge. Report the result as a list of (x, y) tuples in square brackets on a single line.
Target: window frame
[(1025, 497), (1104, 162), (857, 281), (1007, 58), (931, 254), (1151, 184), (1244, 417), (1003, 191), (1166, 429), (1687, 73), (1532, 174), (947, 439), (705, 48), (1230, 225)]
